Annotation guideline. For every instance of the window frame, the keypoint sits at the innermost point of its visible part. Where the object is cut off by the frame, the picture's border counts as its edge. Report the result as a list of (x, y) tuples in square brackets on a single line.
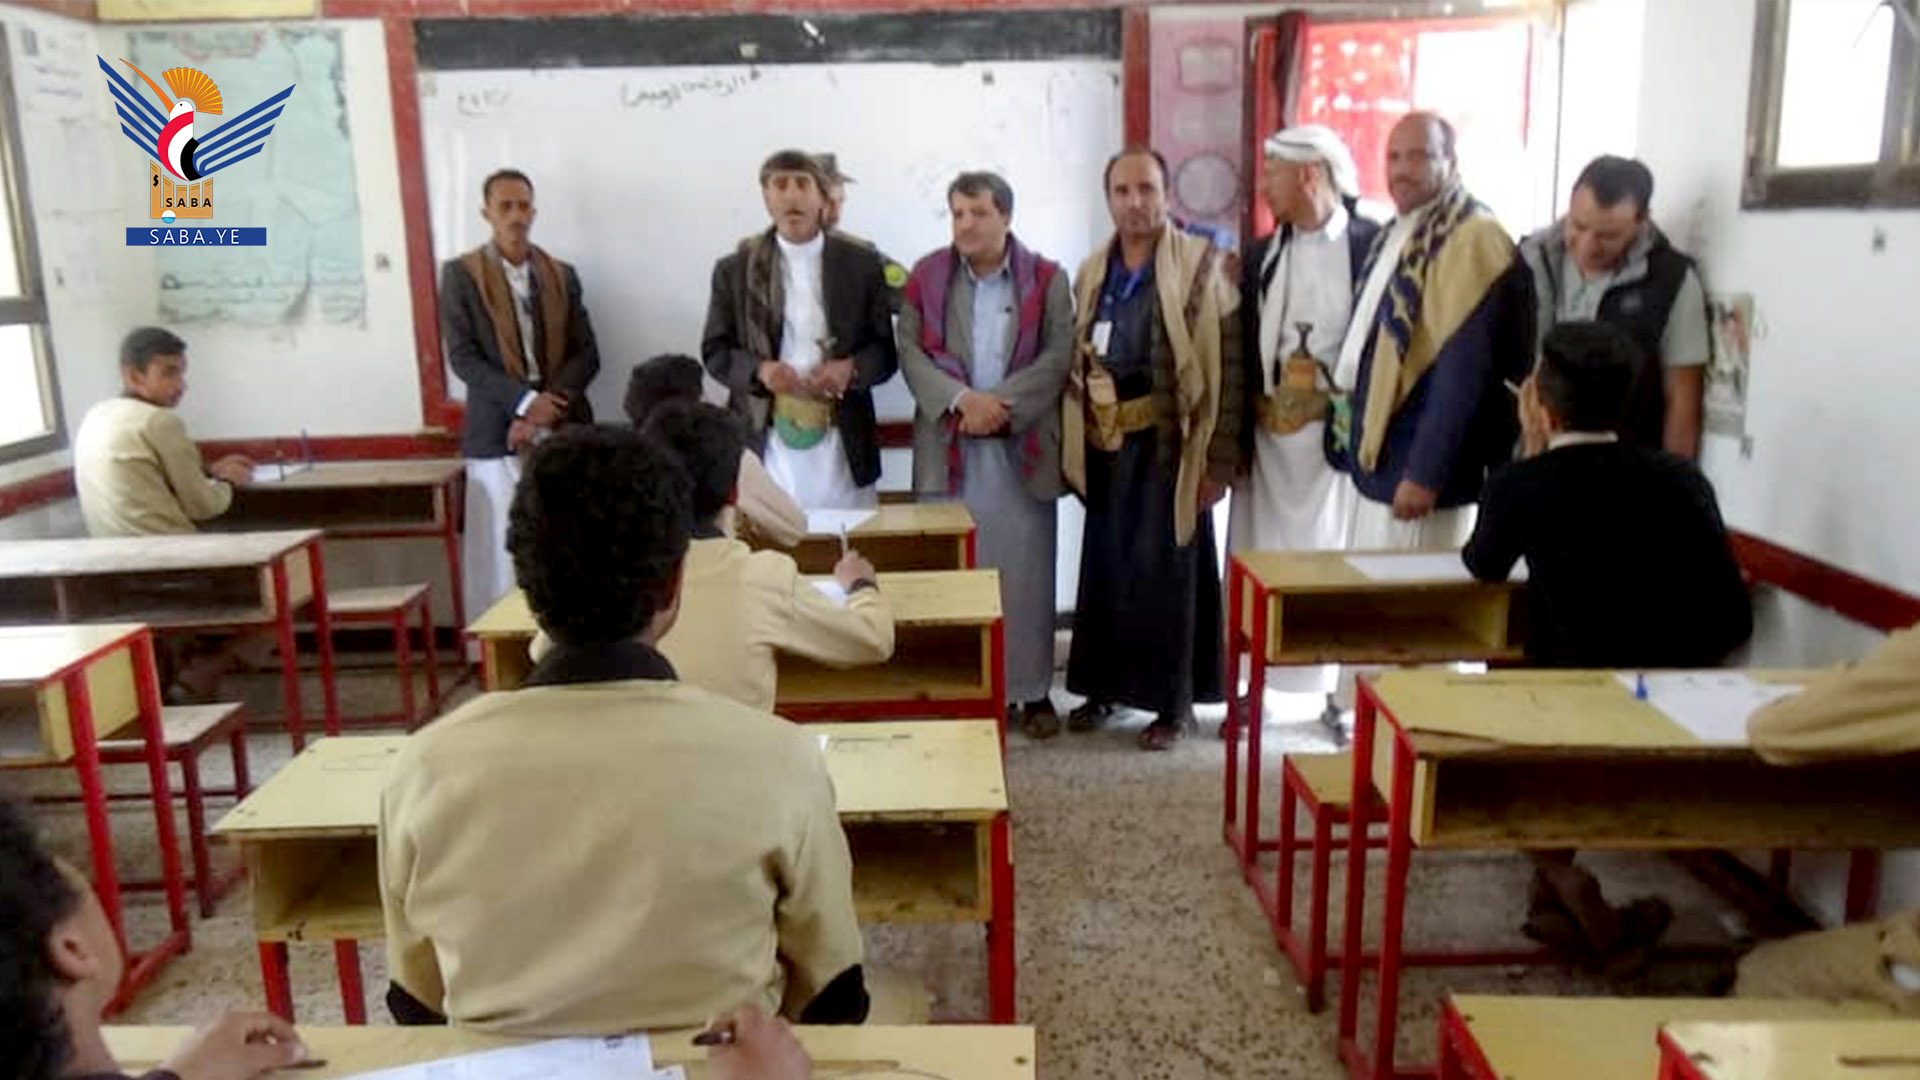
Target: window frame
[(1892, 181), (29, 308)]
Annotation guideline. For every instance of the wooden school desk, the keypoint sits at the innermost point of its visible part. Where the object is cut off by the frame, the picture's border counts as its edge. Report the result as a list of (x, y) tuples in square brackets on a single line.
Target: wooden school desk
[(360, 500), (924, 805), (1791, 1050), (946, 1052), (1559, 1038), (949, 654), (203, 581), (897, 536), (1526, 760), (62, 688), (1318, 607)]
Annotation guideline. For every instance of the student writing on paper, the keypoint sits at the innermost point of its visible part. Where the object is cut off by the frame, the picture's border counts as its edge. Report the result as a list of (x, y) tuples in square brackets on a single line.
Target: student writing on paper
[(739, 608), (761, 507), (138, 473), (1628, 567), (60, 964), (609, 849), (1870, 708)]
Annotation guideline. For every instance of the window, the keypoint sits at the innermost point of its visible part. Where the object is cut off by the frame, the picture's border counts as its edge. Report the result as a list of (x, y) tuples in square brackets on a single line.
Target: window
[(1834, 115), (29, 404), (1359, 77)]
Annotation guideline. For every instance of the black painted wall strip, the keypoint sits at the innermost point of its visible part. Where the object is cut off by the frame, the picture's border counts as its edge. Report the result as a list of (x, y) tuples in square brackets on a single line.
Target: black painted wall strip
[(652, 40)]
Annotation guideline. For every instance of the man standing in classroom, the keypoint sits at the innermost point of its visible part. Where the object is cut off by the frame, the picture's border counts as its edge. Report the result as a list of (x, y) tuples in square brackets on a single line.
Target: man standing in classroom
[(986, 333), (1607, 261), (517, 334), (799, 329), (1150, 438), (1296, 298), (1443, 318)]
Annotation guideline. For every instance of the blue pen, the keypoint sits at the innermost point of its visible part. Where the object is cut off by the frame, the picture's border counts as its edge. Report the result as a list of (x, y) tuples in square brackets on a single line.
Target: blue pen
[(1640, 686)]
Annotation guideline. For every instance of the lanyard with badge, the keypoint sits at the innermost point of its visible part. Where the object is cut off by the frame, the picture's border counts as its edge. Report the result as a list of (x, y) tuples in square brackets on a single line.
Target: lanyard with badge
[(1112, 294)]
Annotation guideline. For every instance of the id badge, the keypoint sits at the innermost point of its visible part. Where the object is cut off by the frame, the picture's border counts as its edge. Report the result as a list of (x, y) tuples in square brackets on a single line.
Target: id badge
[(1102, 337)]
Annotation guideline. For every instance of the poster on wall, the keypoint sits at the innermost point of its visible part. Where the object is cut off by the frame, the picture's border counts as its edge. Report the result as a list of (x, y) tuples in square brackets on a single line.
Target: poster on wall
[(1728, 374)]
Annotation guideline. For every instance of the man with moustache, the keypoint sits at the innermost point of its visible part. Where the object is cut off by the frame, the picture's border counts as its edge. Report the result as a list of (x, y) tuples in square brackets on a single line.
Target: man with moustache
[(799, 329), (1150, 438)]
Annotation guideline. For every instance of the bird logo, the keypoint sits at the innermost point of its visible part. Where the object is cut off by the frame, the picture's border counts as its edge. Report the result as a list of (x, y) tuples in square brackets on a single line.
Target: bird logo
[(167, 134)]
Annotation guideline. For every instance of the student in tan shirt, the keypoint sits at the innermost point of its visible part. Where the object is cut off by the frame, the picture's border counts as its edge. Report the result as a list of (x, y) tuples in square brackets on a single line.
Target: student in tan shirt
[(610, 849), (138, 473), (137, 470), (761, 507), (1871, 708), (740, 608)]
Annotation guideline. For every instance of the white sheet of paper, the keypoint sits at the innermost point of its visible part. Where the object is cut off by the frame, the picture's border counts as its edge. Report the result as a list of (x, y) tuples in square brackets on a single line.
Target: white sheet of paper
[(1421, 566), (831, 589), (834, 522), (671, 1072), (617, 1058), (1713, 705), (1411, 566), (268, 472)]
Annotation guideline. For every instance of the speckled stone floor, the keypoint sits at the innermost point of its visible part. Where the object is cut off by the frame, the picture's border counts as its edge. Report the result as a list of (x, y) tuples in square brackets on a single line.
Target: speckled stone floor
[(1142, 955)]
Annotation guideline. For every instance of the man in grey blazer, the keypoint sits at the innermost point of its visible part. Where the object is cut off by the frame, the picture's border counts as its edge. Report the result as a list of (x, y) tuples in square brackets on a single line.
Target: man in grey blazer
[(985, 334)]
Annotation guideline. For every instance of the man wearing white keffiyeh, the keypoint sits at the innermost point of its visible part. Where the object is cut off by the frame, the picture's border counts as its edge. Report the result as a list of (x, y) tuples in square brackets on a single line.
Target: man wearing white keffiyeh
[(1296, 297)]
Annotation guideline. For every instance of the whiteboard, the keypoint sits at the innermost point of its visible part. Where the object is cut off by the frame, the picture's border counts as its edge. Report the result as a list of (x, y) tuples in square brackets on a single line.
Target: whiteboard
[(644, 176)]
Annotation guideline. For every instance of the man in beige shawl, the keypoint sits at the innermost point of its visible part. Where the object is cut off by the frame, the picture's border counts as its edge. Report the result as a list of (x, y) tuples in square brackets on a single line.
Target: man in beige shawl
[(1156, 367)]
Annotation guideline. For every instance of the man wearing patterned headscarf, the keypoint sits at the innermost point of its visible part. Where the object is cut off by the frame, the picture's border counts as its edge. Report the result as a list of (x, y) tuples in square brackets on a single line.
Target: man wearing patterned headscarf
[(1444, 316), (1296, 297)]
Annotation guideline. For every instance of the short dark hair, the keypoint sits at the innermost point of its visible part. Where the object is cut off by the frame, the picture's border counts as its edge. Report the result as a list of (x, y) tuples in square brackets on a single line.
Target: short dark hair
[(1612, 178), (664, 378), (598, 529), (34, 898), (1586, 375), (498, 175), (138, 348), (709, 441), (973, 184), (1136, 150), (793, 161)]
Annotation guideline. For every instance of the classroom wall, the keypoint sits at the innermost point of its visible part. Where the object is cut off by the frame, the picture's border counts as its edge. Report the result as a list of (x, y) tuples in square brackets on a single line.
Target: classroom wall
[(304, 374), (1831, 471)]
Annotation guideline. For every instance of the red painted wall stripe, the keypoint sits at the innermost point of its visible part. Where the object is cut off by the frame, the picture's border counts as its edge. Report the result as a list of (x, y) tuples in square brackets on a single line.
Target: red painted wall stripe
[(39, 491), (1844, 592)]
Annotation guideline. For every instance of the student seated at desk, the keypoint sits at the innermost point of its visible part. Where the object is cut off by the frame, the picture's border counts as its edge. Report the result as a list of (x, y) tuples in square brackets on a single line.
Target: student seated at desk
[(609, 849), (1871, 708), (1627, 558), (740, 608), (59, 966), (1628, 567), (137, 471), (762, 507)]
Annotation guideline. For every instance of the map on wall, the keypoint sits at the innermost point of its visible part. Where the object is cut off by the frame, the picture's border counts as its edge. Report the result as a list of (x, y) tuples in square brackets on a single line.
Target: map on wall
[(301, 188)]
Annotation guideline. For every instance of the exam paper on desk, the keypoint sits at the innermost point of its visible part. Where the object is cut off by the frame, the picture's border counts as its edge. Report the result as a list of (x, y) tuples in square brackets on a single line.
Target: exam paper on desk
[(835, 522), (1421, 566), (615, 1058), (1713, 705)]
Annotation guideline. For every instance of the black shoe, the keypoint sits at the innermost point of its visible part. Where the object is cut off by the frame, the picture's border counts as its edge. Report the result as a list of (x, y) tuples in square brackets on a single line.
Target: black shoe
[(1090, 717), (1039, 720), (1164, 732), (1643, 923)]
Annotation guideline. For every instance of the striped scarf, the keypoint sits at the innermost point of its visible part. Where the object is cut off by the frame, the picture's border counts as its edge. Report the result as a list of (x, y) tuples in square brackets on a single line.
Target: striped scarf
[(1435, 288)]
